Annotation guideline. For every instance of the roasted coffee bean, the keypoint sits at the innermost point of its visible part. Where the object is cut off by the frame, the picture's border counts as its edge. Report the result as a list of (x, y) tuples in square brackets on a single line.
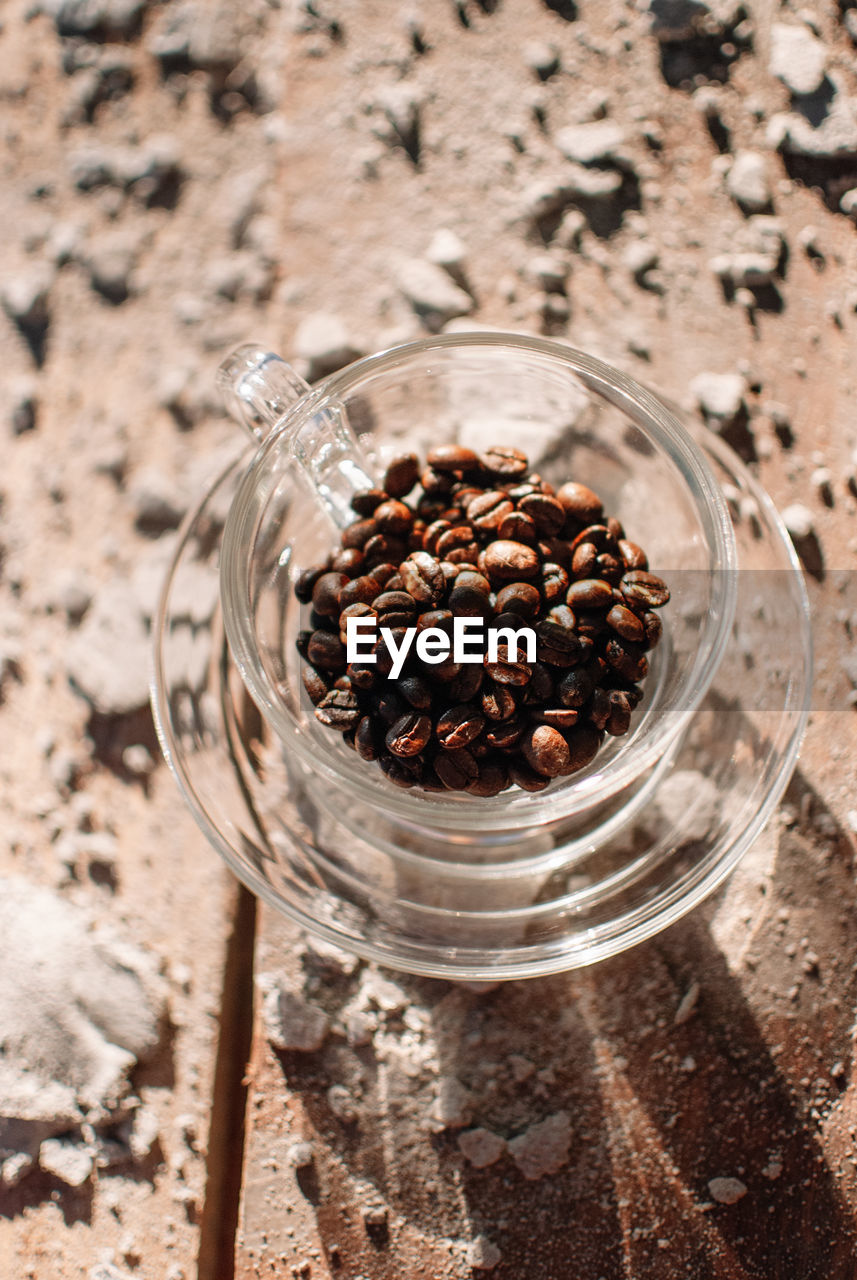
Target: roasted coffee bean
[(365, 502), (615, 528), (423, 578), (454, 538), (467, 602), (580, 503), (415, 690), (409, 735), (452, 457), (517, 527), (401, 475), (501, 460), (315, 685), (305, 583), (540, 689), (583, 560), (608, 567), (326, 592), (449, 571), (458, 726), (545, 750), (627, 658), (510, 561), (653, 629), (395, 608), (633, 557), (506, 734), (466, 685), (435, 483), (599, 708), (433, 533), (498, 702), (554, 582), (626, 623), (557, 645), (447, 671), (358, 533), (366, 739), (362, 674), (338, 709), (302, 642), (589, 593), (472, 578), (562, 718), (394, 517), (598, 535), (397, 772), (562, 616), (590, 623), (641, 588), (546, 513), (382, 549), (520, 598), (619, 720), (388, 705), (575, 688), (456, 769), (441, 619), (383, 573), (349, 561), (583, 743), (493, 778), (526, 778), (503, 672), (487, 510), (354, 611), (325, 650)]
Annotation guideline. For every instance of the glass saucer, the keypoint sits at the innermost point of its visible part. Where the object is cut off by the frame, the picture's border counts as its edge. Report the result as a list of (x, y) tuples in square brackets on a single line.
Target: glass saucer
[(563, 906)]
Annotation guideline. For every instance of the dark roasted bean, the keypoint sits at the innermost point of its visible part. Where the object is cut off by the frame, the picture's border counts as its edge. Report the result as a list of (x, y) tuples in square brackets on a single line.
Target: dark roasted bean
[(506, 734), (488, 510), (315, 685), (358, 533), (382, 573), (501, 460), (394, 517), (599, 708), (626, 658), (433, 533), (519, 598), (416, 690), (467, 602), (633, 557), (498, 702), (456, 769), (545, 750), (392, 602), (580, 503), (517, 527), (466, 685), (382, 549), (435, 483), (546, 513), (510, 561), (554, 582), (423, 578), (619, 720), (366, 739), (575, 688), (452, 457), (362, 674), (348, 561), (562, 718), (526, 778), (442, 619), (365, 502), (583, 743), (493, 778), (401, 475), (458, 726), (397, 772), (305, 583), (589, 593), (653, 629), (325, 650), (615, 528), (625, 622), (513, 673), (354, 611), (338, 709), (409, 735), (641, 588), (583, 560), (325, 594), (455, 537)]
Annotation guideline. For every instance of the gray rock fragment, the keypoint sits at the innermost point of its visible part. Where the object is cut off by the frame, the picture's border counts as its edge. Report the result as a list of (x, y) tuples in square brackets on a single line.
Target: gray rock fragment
[(98, 18), (542, 1148), (542, 58), (25, 296), (598, 141), (549, 271), (72, 1162), (451, 1108), (754, 259), (156, 501), (797, 58), (727, 1190), (832, 137), (110, 261), (447, 250), (747, 181), (720, 396), (433, 295), (848, 203), (483, 1254), (151, 171), (799, 521), (107, 659), (322, 344), (291, 1023), (481, 1147)]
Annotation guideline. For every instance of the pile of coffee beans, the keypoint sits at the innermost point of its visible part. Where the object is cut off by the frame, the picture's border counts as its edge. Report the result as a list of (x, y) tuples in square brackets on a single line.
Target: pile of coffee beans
[(481, 537)]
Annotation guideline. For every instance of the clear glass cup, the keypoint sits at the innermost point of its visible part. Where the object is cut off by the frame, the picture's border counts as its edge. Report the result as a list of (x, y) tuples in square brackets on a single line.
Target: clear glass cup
[(576, 418)]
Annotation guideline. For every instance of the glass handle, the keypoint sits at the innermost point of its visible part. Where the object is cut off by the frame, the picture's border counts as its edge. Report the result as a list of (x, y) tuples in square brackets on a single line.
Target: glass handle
[(260, 389)]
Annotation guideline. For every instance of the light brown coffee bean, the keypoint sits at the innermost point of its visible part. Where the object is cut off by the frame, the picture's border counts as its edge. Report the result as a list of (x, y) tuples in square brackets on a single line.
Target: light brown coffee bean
[(641, 588), (580, 503), (589, 593), (401, 475), (452, 457), (626, 623), (510, 561)]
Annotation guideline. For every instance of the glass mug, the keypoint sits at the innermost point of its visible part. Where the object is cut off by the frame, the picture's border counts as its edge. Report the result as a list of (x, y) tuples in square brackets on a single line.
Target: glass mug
[(519, 883)]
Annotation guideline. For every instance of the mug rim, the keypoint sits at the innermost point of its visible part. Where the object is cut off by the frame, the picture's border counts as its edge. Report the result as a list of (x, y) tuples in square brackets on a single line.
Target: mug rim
[(448, 812)]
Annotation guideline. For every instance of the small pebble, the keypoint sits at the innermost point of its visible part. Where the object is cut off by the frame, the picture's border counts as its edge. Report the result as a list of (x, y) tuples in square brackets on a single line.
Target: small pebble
[(727, 1190)]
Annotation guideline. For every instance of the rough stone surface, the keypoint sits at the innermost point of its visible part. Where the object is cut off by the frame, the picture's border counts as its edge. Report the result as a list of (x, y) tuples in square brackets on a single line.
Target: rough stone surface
[(748, 183), (481, 1147), (720, 396), (727, 1190), (597, 141), (323, 345), (292, 1023), (432, 294), (543, 1148), (798, 58), (107, 659)]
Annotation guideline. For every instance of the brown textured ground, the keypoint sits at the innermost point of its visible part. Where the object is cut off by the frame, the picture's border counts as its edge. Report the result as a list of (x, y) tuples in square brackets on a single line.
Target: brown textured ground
[(291, 195)]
